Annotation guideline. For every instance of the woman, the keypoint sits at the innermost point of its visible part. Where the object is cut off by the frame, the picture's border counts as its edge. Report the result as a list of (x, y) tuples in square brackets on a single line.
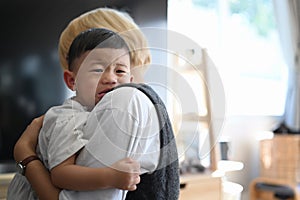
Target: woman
[(124, 25)]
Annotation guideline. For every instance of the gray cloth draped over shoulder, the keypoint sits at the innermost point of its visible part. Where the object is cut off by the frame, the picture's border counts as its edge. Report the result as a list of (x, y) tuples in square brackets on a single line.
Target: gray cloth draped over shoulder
[(163, 183)]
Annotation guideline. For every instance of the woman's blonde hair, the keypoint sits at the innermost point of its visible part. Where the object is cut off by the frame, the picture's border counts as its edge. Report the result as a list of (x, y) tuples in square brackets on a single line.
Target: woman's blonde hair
[(111, 19)]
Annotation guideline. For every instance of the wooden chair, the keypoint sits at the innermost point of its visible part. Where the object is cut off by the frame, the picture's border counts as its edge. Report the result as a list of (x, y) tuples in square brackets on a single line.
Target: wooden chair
[(279, 169), (263, 188)]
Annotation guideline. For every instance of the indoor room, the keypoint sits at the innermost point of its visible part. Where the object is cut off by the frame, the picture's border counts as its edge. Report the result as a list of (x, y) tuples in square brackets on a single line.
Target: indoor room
[(226, 70)]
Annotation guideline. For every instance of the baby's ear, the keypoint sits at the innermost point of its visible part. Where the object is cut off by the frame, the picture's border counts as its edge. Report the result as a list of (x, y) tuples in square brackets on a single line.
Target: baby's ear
[(69, 78), (131, 78)]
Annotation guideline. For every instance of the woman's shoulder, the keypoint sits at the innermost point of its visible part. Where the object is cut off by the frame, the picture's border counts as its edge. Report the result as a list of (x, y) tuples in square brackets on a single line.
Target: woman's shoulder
[(128, 94), (128, 99)]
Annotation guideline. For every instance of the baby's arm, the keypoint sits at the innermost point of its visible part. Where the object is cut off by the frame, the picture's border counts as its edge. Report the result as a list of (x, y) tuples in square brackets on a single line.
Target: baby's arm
[(123, 174)]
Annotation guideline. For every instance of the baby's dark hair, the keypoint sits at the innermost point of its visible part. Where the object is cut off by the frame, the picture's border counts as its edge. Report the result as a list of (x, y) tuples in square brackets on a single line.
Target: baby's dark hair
[(94, 38)]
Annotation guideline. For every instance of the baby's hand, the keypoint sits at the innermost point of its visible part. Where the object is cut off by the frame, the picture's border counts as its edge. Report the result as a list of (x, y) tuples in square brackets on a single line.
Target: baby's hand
[(126, 173)]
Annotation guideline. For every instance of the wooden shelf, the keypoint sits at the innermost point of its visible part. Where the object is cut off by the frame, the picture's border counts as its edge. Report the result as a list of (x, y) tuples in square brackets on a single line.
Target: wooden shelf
[(200, 186)]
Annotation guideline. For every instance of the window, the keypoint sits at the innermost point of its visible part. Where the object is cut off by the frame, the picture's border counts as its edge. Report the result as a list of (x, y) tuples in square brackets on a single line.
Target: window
[(242, 40)]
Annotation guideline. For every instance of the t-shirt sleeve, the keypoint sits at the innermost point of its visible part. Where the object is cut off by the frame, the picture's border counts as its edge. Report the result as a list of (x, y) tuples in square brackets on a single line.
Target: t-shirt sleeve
[(64, 136)]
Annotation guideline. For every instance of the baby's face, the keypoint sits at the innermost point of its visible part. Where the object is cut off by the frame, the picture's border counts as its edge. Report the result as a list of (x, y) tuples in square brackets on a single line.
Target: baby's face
[(101, 70)]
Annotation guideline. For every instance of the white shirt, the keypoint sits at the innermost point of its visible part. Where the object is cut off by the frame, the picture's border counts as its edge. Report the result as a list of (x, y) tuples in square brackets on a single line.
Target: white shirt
[(123, 124), (61, 135)]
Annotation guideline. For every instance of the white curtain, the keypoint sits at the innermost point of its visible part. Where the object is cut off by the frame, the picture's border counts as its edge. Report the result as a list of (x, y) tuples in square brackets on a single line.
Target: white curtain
[(288, 18)]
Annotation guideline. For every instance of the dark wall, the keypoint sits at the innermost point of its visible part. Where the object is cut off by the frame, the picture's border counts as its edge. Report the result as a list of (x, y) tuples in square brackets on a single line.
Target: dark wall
[(30, 75)]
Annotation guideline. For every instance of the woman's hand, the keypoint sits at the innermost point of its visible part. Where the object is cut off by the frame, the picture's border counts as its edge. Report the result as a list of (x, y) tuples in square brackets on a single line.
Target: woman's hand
[(26, 144), (126, 173)]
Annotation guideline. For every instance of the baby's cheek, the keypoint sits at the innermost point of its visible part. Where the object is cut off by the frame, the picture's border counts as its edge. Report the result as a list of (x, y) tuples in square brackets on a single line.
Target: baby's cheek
[(90, 92)]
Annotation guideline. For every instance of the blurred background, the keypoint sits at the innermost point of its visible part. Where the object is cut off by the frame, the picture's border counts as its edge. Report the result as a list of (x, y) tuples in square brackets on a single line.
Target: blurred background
[(31, 79)]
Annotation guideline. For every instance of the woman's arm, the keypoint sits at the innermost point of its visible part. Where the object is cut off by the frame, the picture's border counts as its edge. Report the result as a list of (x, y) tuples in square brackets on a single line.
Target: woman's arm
[(123, 174), (40, 179), (36, 173)]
